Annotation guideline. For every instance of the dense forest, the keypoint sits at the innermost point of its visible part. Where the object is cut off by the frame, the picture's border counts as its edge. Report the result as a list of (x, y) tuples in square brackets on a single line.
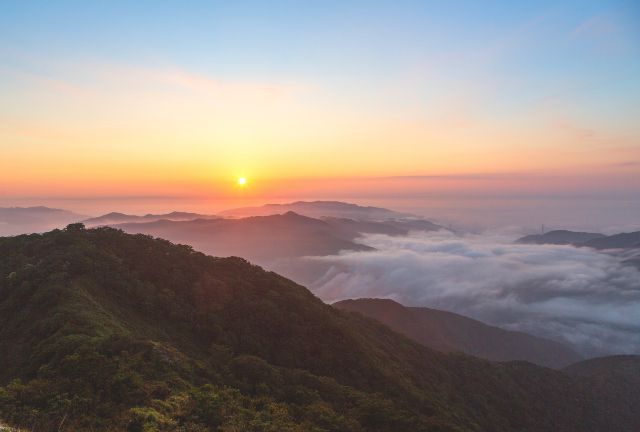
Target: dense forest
[(106, 331)]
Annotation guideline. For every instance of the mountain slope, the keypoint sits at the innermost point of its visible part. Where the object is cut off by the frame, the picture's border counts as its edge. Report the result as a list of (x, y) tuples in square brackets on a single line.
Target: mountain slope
[(447, 331), (119, 218), (613, 374), (592, 240), (261, 238), (617, 241), (621, 368), (318, 209), (100, 330)]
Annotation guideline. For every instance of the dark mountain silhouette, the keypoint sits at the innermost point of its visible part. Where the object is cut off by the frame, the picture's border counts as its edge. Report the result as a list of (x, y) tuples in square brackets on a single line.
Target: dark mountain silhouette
[(118, 218), (104, 331), (625, 246), (447, 331), (592, 240), (260, 238), (318, 209), (617, 241), (560, 237), (25, 220)]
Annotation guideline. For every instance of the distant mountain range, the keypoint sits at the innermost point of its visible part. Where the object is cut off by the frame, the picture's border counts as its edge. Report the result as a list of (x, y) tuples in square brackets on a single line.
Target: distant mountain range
[(450, 332), (23, 220), (617, 241), (277, 241), (318, 209), (260, 238), (105, 331), (118, 218), (264, 239), (560, 237), (592, 240)]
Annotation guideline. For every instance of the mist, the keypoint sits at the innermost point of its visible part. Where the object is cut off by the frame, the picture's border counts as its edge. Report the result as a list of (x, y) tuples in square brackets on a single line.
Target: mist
[(587, 299)]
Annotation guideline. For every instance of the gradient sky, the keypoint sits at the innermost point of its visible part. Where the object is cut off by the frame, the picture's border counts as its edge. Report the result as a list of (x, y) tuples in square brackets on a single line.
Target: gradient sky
[(112, 98)]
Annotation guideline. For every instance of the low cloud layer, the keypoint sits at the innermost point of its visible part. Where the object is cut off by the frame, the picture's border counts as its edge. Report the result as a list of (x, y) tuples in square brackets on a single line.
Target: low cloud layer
[(575, 295)]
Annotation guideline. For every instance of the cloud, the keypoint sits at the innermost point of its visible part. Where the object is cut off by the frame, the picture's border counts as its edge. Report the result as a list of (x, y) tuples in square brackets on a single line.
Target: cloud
[(576, 295)]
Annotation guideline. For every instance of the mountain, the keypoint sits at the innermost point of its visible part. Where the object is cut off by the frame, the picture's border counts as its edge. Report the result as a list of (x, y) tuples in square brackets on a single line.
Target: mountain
[(592, 240), (318, 209), (118, 218), (260, 238), (620, 368), (619, 373), (279, 242), (25, 220), (560, 237), (617, 241), (104, 331), (450, 332)]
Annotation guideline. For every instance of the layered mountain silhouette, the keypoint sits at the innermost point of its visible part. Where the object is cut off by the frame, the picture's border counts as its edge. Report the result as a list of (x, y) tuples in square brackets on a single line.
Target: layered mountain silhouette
[(279, 242), (265, 239), (318, 209), (118, 218), (450, 332), (260, 238), (24, 220), (104, 331)]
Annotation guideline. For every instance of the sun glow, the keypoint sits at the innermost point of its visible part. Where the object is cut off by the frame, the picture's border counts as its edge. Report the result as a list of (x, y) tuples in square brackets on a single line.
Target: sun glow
[(242, 181)]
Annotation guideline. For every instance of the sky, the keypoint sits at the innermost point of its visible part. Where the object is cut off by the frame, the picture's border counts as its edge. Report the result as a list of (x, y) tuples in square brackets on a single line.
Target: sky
[(319, 99)]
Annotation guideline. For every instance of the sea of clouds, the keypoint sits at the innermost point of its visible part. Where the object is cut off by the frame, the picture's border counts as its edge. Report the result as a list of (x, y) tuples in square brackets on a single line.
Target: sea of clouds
[(575, 295)]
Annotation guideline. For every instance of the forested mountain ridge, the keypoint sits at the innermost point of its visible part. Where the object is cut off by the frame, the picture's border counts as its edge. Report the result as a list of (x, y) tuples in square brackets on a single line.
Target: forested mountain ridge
[(101, 330), (447, 331)]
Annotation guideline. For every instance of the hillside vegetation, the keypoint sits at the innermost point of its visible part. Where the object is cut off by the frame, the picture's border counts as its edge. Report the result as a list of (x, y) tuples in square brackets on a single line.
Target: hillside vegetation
[(106, 331), (447, 331)]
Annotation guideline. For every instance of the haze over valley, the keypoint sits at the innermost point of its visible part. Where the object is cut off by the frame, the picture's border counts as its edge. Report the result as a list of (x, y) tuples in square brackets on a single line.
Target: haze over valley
[(577, 289)]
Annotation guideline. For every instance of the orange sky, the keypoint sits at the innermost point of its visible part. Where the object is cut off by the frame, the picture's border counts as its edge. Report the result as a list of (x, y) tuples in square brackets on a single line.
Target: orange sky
[(155, 132), (474, 114)]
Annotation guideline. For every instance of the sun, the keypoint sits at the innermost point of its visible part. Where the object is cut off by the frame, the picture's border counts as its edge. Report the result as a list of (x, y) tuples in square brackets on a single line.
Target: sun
[(242, 181)]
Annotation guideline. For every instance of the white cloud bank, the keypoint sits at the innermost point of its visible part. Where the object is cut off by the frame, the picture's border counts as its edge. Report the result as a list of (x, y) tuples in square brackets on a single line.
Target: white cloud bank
[(576, 295)]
